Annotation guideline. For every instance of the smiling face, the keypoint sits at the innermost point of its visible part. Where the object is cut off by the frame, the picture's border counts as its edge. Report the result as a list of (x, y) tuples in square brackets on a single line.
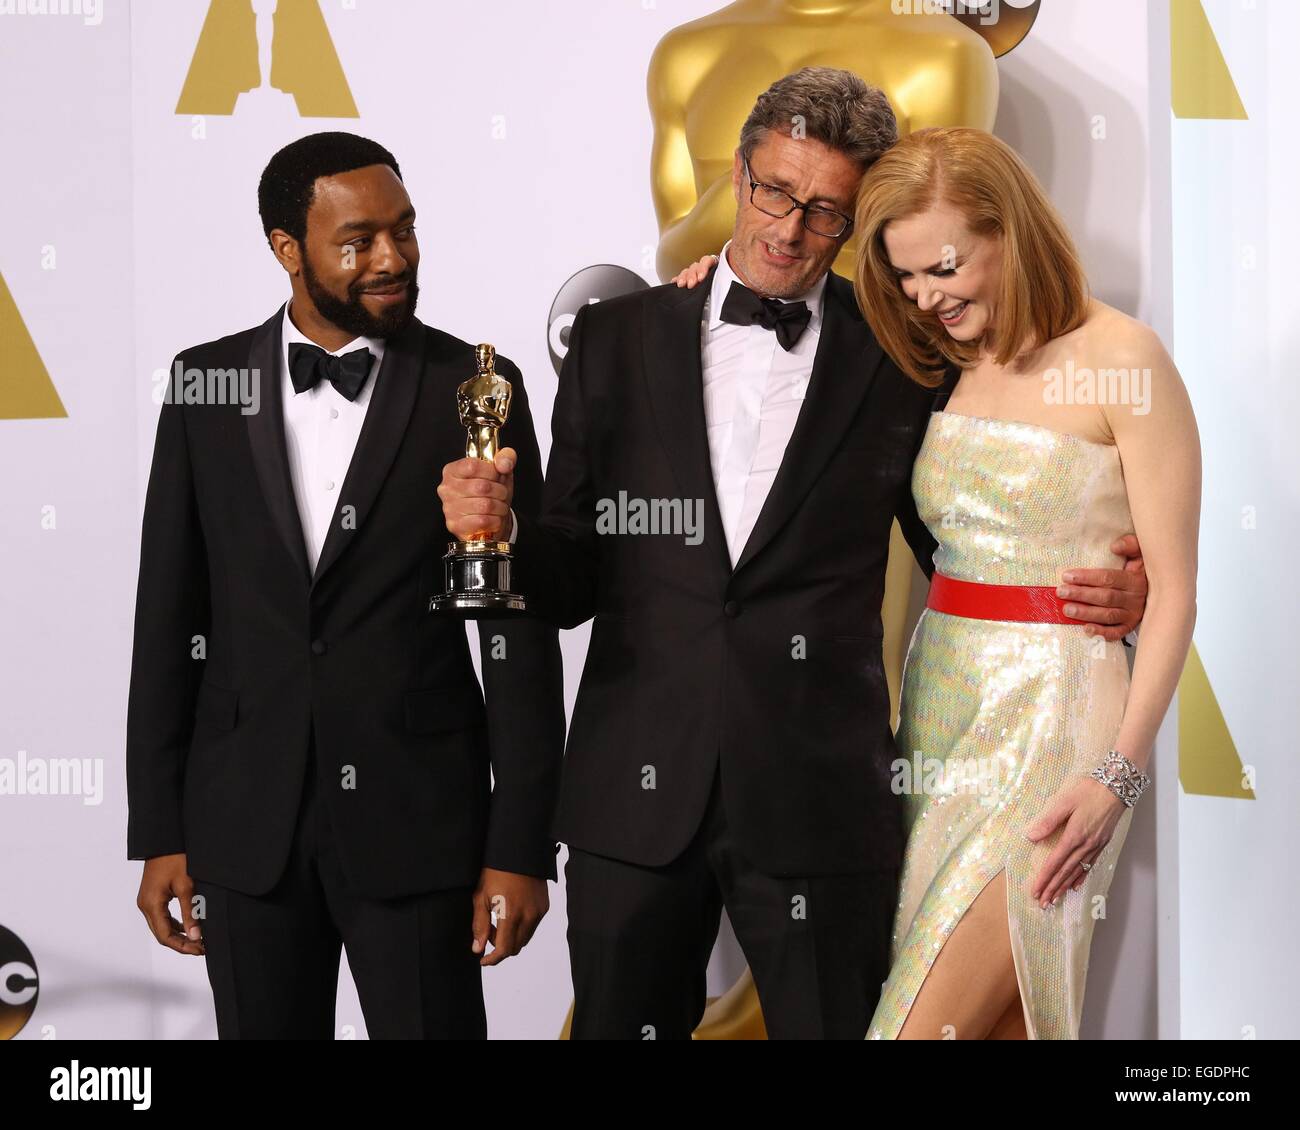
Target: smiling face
[(780, 258), (946, 269), (357, 270)]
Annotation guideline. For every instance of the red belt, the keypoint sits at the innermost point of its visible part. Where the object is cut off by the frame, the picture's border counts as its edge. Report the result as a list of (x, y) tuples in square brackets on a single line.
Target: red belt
[(1035, 603)]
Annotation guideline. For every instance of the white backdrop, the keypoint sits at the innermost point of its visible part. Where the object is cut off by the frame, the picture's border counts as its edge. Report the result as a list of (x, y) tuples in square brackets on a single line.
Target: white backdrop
[(152, 219), (1237, 326)]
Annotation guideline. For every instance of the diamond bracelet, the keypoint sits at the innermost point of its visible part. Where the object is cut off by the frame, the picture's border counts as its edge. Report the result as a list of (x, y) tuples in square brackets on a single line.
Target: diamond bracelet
[(1122, 777)]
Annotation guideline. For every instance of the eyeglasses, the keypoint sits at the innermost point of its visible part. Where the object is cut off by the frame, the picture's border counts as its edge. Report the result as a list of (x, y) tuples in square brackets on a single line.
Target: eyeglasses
[(773, 201)]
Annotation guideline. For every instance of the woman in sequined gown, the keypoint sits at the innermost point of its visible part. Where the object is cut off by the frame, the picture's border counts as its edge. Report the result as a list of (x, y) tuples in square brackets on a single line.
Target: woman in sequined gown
[(1007, 705)]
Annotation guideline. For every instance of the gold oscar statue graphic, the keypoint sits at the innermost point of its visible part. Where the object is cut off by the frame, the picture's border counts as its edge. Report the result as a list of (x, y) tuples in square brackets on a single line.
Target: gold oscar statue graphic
[(477, 570), (706, 75), (704, 79), (266, 56), (264, 98)]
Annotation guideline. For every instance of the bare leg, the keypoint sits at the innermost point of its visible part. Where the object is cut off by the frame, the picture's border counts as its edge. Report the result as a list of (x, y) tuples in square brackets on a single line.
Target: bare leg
[(972, 983), (1012, 1024)]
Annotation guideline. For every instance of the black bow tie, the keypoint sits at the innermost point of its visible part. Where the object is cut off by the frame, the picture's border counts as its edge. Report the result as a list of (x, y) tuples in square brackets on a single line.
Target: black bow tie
[(309, 364), (743, 307)]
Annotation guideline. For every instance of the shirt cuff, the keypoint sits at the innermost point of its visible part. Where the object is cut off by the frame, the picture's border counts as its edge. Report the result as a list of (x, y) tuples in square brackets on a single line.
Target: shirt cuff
[(514, 527)]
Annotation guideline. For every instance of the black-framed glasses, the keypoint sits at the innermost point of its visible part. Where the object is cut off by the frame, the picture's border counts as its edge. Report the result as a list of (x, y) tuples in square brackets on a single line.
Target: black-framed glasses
[(773, 201)]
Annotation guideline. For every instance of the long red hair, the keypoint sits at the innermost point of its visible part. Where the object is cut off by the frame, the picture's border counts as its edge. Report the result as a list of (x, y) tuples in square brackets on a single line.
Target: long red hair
[(1044, 292)]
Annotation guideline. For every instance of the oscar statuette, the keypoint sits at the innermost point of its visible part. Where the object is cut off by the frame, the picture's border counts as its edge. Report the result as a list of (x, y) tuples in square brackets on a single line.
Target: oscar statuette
[(477, 570)]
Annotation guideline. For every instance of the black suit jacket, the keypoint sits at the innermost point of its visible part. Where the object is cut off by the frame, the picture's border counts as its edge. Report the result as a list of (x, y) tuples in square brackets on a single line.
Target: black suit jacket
[(774, 666), (217, 745)]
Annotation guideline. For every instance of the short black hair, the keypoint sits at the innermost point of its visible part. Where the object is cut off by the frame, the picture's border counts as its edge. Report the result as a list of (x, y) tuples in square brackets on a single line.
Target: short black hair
[(288, 182)]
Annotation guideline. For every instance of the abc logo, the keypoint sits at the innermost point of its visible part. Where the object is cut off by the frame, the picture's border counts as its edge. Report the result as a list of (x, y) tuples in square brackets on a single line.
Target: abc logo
[(591, 284), (18, 984)]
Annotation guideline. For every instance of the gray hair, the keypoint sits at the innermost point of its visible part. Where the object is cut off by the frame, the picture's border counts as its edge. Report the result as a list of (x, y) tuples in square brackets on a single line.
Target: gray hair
[(829, 105)]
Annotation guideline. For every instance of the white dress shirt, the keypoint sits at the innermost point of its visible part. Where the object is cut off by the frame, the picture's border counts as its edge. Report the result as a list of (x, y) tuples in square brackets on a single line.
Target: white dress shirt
[(320, 432), (753, 390)]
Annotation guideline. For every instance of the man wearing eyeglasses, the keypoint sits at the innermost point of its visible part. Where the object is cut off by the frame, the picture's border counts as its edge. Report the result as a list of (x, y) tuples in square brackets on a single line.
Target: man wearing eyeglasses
[(730, 744)]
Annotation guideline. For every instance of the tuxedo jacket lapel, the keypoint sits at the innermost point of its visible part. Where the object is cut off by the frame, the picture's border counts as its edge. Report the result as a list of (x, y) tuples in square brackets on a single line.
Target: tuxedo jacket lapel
[(386, 418), (675, 378), (847, 361), (266, 438), (391, 402)]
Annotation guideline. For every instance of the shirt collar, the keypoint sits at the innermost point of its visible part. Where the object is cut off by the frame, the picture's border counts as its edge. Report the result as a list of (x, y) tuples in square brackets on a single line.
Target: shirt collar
[(291, 333), (724, 276)]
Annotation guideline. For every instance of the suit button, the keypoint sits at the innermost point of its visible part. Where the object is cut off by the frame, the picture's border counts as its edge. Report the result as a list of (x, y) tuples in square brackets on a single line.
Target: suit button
[(318, 647), (732, 608)]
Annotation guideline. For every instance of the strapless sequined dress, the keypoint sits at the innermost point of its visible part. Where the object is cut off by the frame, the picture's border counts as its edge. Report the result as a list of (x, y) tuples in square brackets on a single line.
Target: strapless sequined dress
[(996, 715)]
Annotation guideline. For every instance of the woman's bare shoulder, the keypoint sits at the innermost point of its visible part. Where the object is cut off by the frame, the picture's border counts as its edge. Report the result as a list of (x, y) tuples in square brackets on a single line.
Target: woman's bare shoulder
[(1110, 338)]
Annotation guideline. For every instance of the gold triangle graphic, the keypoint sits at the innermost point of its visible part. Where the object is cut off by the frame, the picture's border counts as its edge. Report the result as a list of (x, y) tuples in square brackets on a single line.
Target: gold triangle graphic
[(303, 61), (1208, 762), (1202, 85), (224, 65), (26, 391), (305, 64)]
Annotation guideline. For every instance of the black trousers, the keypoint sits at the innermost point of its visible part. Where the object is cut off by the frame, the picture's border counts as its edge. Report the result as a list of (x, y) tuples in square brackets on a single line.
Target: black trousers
[(640, 940), (273, 959)]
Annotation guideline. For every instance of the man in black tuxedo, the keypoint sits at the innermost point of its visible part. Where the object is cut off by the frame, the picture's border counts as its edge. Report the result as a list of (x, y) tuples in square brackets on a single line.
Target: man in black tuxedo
[(309, 755), (731, 739)]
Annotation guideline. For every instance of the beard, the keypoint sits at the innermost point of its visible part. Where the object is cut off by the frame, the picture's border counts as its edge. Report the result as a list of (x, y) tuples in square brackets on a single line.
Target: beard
[(351, 315)]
